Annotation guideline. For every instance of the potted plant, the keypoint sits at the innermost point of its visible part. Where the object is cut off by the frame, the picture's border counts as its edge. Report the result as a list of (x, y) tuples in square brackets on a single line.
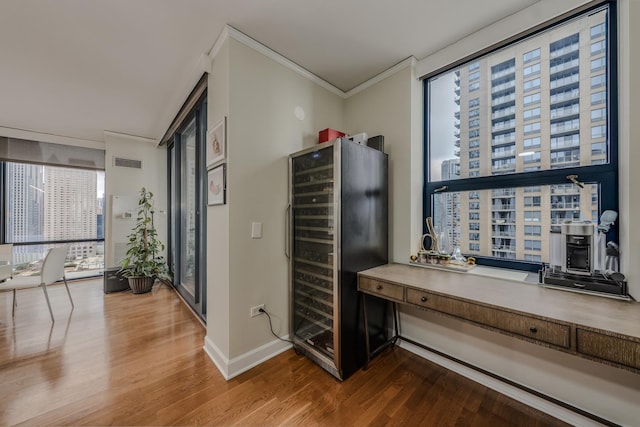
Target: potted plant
[(142, 264)]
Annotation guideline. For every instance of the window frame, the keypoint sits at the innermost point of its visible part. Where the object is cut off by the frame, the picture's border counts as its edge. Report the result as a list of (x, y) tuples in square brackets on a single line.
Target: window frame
[(606, 175)]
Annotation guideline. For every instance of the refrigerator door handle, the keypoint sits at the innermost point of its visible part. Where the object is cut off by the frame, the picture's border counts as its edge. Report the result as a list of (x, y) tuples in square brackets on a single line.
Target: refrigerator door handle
[(287, 242)]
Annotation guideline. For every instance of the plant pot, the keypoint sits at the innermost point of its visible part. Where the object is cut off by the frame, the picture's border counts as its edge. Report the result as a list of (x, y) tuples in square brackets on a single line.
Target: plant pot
[(141, 285)]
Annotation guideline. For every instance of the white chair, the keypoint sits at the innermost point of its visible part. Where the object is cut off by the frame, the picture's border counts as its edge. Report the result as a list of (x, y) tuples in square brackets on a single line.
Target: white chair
[(52, 271), (6, 261)]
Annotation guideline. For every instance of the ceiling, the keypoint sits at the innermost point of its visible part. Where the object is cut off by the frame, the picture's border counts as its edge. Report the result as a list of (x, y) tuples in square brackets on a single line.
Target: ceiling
[(77, 68)]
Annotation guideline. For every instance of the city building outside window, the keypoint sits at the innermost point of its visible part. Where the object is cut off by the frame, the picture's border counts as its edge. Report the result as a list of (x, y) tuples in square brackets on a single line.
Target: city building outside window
[(522, 141), (49, 205)]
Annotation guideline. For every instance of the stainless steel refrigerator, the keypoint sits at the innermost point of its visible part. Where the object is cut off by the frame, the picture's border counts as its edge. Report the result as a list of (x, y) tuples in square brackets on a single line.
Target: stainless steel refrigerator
[(337, 226)]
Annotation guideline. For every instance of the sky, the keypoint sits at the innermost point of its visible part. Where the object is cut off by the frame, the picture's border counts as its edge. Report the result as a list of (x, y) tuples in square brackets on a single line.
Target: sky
[(441, 126)]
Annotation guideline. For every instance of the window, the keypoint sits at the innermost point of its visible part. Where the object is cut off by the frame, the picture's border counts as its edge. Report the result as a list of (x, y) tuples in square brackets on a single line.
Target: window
[(530, 85), (532, 128), (474, 76), (598, 114), (598, 148), (532, 230), (598, 98), (531, 70), (532, 142), (532, 139), (598, 47), (531, 99), (598, 31), (598, 64), (533, 157), (49, 204), (532, 245), (598, 81), (532, 201), (572, 140), (532, 216), (533, 113), (598, 131), (186, 167), (531, 55)]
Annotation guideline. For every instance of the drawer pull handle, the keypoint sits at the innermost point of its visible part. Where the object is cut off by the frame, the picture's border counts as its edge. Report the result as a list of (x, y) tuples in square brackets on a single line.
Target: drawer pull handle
[(423, 299), (533, 329), (378, 287)]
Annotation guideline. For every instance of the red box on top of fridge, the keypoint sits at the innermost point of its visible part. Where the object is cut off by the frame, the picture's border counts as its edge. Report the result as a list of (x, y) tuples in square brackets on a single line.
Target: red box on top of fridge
[(328, 134)]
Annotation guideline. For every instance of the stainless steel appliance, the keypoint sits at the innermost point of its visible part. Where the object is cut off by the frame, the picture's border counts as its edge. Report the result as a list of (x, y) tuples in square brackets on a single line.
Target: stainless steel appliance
[(338, 226), (577, 248)]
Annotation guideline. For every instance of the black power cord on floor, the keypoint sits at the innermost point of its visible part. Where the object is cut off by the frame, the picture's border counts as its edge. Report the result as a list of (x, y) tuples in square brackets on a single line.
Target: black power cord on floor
[(262, 310)]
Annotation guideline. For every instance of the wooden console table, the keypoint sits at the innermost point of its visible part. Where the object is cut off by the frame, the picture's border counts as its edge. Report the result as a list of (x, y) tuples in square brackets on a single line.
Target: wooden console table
[(597, 328)]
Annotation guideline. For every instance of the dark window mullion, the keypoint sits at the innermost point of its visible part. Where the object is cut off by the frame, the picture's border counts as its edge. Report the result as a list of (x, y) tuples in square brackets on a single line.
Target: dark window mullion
[(592, 174)]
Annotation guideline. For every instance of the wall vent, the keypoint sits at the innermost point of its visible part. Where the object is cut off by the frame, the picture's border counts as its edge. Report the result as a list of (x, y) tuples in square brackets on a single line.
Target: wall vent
[(127, 163)]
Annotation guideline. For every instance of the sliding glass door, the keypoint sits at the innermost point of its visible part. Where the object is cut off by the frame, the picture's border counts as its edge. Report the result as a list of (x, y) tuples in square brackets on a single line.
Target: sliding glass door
[(188, 222)]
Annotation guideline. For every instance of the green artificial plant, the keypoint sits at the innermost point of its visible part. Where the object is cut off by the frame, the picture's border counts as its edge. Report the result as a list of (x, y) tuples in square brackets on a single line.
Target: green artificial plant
[(144, 249)]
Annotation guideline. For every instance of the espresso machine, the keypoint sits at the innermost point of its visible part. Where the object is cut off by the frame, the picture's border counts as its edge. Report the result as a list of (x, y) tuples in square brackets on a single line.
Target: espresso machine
[(577, 248), (579, 260)]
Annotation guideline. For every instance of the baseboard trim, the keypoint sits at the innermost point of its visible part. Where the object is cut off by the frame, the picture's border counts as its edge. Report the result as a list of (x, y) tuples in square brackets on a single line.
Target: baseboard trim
[(230, 368), (560, 410), (217, 357)]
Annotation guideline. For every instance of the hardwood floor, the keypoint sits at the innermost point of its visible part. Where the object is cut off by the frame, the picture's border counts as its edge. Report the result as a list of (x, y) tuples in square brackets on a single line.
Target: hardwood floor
[(124, 359)]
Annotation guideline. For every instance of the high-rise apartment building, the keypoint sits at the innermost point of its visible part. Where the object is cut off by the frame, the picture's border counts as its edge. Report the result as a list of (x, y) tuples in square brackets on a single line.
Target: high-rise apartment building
[(25, 207), (70, 208), (538, 105)]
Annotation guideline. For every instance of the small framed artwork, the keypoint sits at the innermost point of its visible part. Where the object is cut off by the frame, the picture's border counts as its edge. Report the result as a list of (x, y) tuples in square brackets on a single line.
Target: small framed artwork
[(216, 185), (216, 143)]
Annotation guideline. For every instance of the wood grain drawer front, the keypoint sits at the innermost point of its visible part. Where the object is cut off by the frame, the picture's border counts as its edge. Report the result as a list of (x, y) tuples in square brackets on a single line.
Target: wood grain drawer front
[(384, 289), (612, 349), (525, 326)]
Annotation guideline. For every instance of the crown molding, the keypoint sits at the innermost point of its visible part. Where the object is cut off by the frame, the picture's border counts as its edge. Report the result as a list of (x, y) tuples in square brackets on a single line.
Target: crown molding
[(230, 32), (408, 62), (131, 137)]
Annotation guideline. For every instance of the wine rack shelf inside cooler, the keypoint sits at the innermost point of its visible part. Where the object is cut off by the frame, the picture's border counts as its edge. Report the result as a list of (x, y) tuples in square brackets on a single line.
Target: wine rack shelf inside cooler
[(313, 267)]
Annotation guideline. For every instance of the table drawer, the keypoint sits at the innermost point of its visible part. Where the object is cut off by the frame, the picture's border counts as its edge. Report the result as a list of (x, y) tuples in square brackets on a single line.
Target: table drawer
[(384, 289), (530, 327), (606, 347)]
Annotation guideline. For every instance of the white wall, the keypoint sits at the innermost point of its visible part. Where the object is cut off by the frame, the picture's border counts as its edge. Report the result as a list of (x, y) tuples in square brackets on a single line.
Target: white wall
[(121, 181), (392, 108), (629, 135), (262, 131), (217, 340)]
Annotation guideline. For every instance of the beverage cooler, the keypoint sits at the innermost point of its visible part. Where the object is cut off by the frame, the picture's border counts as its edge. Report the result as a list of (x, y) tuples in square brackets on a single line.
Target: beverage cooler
[(337, 226)]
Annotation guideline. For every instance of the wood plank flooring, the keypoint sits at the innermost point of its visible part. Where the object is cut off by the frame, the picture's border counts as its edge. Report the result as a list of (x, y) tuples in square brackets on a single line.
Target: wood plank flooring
[(124, 359)]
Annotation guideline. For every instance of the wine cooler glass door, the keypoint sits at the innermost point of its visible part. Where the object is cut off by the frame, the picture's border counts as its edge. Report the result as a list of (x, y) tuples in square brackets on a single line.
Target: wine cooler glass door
[(314, 230)]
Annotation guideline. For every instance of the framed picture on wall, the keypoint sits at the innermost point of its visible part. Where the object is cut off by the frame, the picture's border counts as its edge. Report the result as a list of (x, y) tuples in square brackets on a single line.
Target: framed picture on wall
[(216, 185), (216, 143)]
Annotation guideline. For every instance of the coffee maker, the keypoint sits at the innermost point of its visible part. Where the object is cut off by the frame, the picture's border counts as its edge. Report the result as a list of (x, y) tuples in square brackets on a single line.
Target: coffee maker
[(577, 248)]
